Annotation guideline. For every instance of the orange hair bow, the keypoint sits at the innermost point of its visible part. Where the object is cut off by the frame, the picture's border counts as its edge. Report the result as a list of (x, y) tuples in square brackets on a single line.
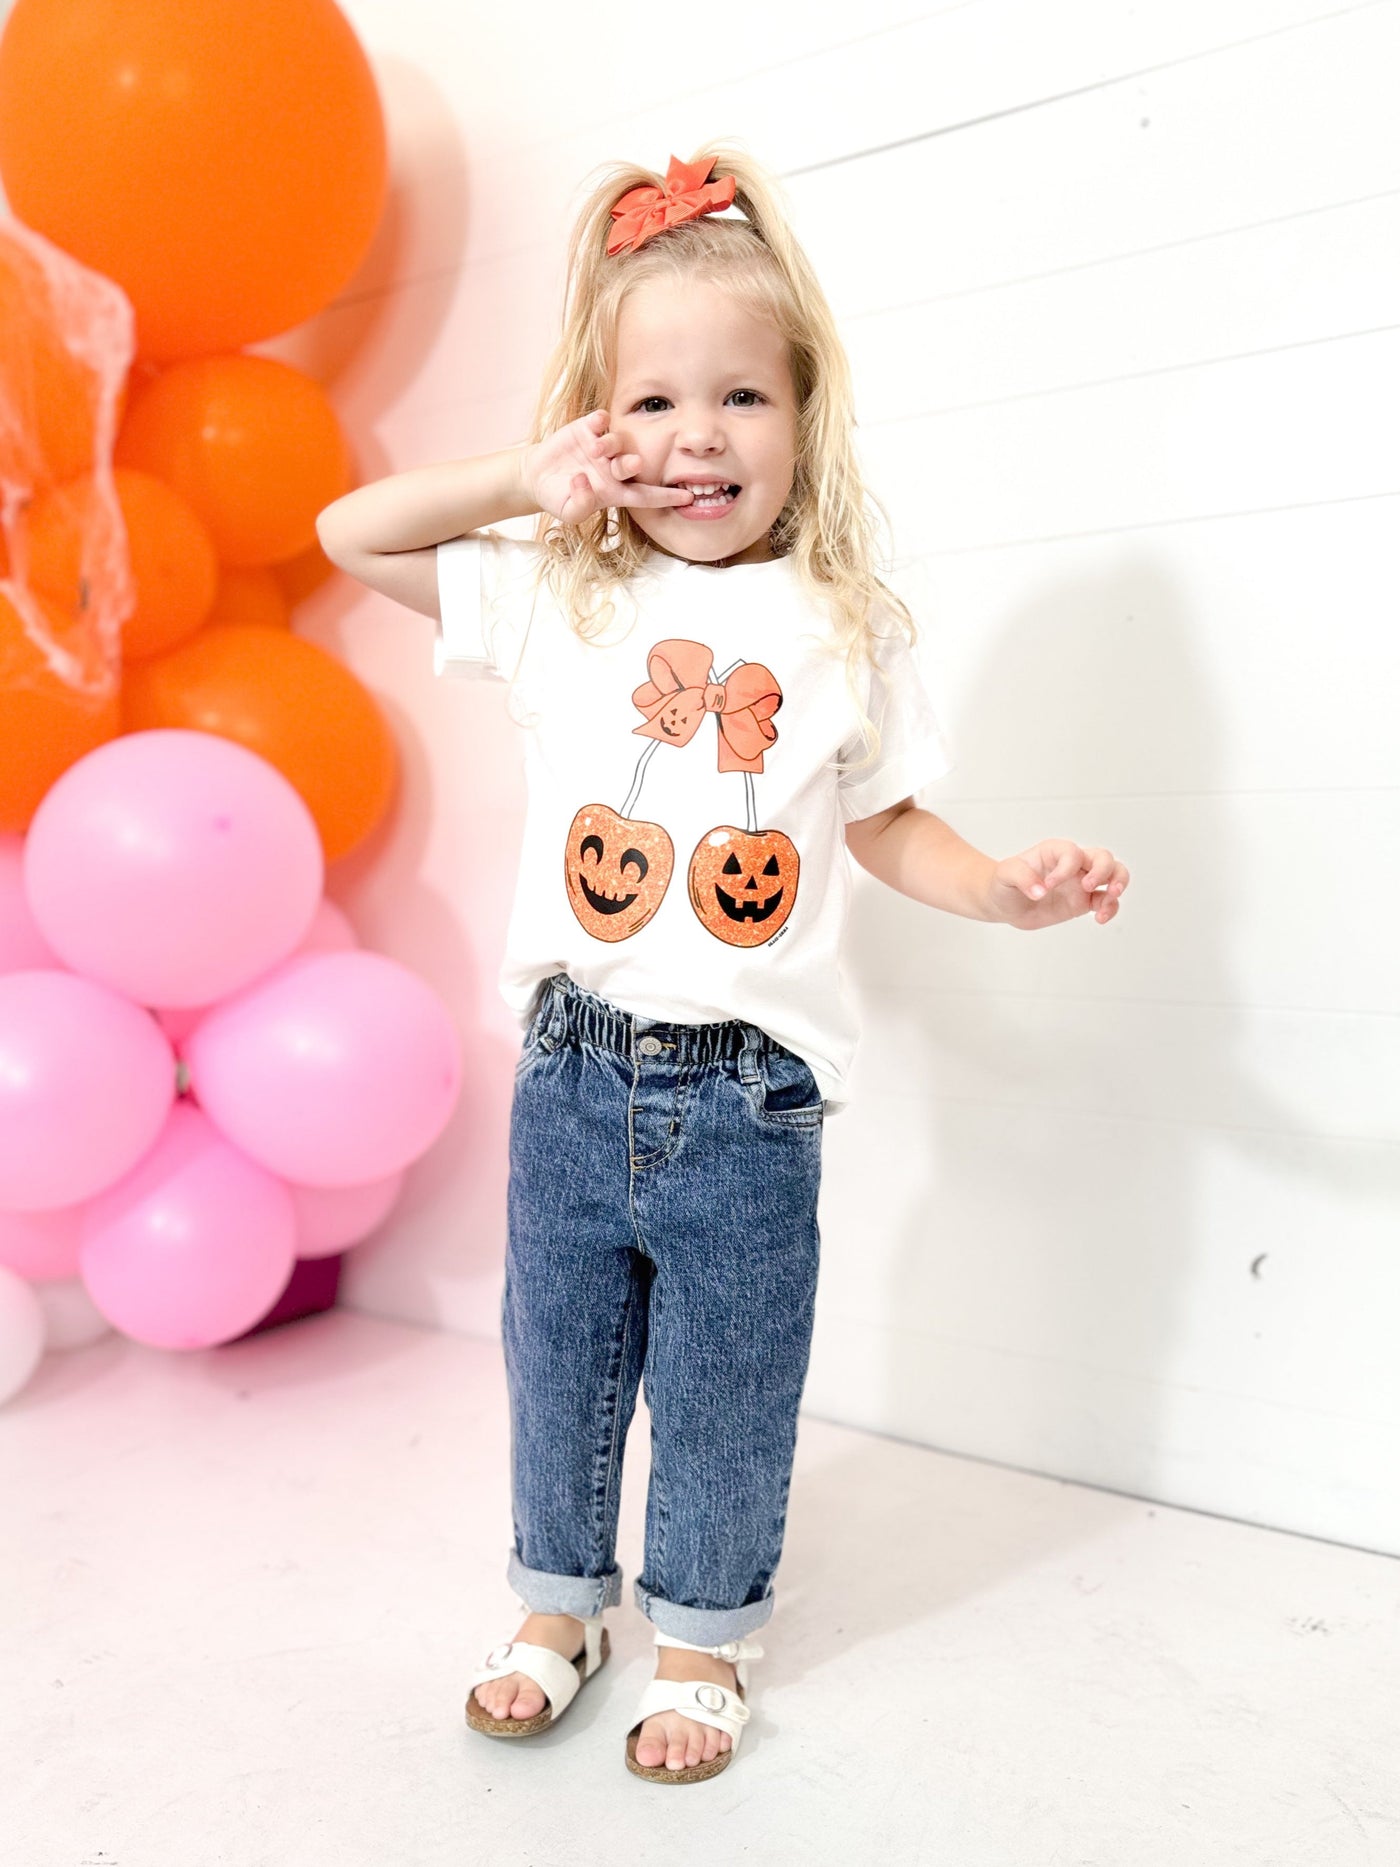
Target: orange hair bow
[(680, 694), (641, 212)]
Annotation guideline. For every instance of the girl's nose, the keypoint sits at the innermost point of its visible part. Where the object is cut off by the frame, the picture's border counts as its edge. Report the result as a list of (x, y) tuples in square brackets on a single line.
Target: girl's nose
[(702, 438)]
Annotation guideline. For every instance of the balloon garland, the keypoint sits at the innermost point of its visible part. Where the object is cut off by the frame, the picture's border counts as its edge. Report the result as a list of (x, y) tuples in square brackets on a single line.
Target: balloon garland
[(206, 1085)]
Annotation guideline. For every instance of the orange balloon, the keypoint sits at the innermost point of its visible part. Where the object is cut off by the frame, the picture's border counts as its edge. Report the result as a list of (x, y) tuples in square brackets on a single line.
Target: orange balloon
[(172, 556), (46, 724), (251, 596), (287, 700), (226, 164), (253, 444)]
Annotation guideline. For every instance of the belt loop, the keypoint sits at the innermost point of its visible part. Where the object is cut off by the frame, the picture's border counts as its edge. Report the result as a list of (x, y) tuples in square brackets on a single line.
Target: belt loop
[(556, 1014), (748, 1057)]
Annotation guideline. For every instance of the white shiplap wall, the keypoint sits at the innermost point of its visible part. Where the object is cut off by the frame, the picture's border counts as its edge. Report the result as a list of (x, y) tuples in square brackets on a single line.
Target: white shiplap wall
[(1122, 295)]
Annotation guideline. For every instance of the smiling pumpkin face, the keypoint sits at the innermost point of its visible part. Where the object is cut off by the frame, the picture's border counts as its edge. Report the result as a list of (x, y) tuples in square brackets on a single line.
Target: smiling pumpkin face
[(616, 870), (679, 718), (743, 883)]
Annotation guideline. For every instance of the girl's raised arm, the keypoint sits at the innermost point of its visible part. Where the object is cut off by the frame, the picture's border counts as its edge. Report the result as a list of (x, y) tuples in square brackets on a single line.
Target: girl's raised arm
[(386, 534)]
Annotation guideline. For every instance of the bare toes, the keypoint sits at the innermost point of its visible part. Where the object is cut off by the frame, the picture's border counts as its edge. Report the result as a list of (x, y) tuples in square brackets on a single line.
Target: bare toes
[(651, 1745), (514, 1697)]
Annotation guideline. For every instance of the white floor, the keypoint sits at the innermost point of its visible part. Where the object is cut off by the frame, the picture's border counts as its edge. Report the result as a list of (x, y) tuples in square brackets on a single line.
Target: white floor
[(242, 1588)]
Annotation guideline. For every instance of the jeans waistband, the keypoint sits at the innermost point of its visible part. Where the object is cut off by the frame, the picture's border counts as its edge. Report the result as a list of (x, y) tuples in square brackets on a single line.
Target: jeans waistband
[(565, 1007)]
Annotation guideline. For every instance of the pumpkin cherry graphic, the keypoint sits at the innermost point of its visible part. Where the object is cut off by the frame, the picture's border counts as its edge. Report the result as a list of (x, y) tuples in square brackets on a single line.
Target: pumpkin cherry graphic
[(616, 870), (743, 883), (617, 867)]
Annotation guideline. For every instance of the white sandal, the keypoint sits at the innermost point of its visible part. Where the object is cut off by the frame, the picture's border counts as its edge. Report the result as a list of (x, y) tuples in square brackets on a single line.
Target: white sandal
[(702, 1700), (558, 1678)]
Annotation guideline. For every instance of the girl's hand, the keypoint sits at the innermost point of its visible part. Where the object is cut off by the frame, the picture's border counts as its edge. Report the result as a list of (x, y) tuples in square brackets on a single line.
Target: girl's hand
[(1055, 881), (580, 469)]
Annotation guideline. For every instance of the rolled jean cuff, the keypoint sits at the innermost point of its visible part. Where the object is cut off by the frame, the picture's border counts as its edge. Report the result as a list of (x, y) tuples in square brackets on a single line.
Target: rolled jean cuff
[(583, 1596), (702, 1627)]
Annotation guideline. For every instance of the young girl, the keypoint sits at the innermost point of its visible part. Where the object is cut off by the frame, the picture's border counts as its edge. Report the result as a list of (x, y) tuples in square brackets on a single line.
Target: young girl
[(719, 700)]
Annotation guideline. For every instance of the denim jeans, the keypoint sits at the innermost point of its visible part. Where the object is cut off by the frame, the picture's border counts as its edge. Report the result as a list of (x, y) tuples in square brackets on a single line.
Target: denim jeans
[(662, 1229)]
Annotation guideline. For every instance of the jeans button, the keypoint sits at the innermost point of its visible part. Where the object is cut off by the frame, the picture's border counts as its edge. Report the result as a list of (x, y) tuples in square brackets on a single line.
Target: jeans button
[(650, 1046)]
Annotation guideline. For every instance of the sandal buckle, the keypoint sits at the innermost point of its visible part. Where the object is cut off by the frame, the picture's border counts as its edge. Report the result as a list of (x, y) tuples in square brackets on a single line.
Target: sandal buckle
[(498, 1655), (715, 1699)]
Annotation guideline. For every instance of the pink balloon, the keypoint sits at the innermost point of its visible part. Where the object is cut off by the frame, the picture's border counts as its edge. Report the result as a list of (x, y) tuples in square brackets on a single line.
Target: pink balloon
[(193, 1246), (22, 947), (329, 932), (331, 1217), (173, 866), (336, 1069), (86, 1082), (41, 1246)]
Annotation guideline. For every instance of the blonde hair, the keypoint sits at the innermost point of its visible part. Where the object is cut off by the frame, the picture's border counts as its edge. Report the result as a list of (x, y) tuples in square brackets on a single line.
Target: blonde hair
[(826, 526)]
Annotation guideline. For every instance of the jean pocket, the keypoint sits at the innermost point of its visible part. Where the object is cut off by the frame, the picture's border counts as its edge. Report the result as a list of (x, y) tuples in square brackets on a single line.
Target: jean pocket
[(786, 1094)]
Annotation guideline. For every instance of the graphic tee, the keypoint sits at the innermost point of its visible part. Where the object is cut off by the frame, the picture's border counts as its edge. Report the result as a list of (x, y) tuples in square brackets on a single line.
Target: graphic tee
[(684, 846)]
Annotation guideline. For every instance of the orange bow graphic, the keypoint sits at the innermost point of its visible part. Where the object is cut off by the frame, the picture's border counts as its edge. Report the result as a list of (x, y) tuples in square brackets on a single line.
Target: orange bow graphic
[(641, 212), (680, 694)]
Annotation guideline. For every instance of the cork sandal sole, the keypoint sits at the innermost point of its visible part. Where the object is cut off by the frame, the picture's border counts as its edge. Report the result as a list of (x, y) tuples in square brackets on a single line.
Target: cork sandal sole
[(480, 1720), (692, 1773)]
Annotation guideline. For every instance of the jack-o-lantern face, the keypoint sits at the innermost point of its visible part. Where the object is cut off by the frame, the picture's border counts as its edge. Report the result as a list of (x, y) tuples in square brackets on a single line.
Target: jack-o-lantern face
[(743, 883), (616, 869), (679, 718)]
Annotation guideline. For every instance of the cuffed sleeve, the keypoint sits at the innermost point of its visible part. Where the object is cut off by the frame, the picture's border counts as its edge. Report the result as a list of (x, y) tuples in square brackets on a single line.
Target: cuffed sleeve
[(486, 597), (914, 749)]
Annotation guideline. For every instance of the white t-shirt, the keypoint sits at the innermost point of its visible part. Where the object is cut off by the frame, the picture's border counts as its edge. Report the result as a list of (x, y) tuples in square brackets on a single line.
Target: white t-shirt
[(684, 852)]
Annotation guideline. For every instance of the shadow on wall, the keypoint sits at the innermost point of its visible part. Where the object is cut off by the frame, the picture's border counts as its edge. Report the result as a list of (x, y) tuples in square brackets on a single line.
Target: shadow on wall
[(1024, 1255), (370, 347)]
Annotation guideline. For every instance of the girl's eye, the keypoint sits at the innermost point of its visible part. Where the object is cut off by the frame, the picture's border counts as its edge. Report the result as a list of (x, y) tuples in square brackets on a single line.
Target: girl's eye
[(757, 398)]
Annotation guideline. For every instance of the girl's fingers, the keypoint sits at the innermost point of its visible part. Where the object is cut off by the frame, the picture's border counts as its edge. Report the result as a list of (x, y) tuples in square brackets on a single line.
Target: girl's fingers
[(634, 493), (602, 479), (1060, 869), (1108, 872)]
